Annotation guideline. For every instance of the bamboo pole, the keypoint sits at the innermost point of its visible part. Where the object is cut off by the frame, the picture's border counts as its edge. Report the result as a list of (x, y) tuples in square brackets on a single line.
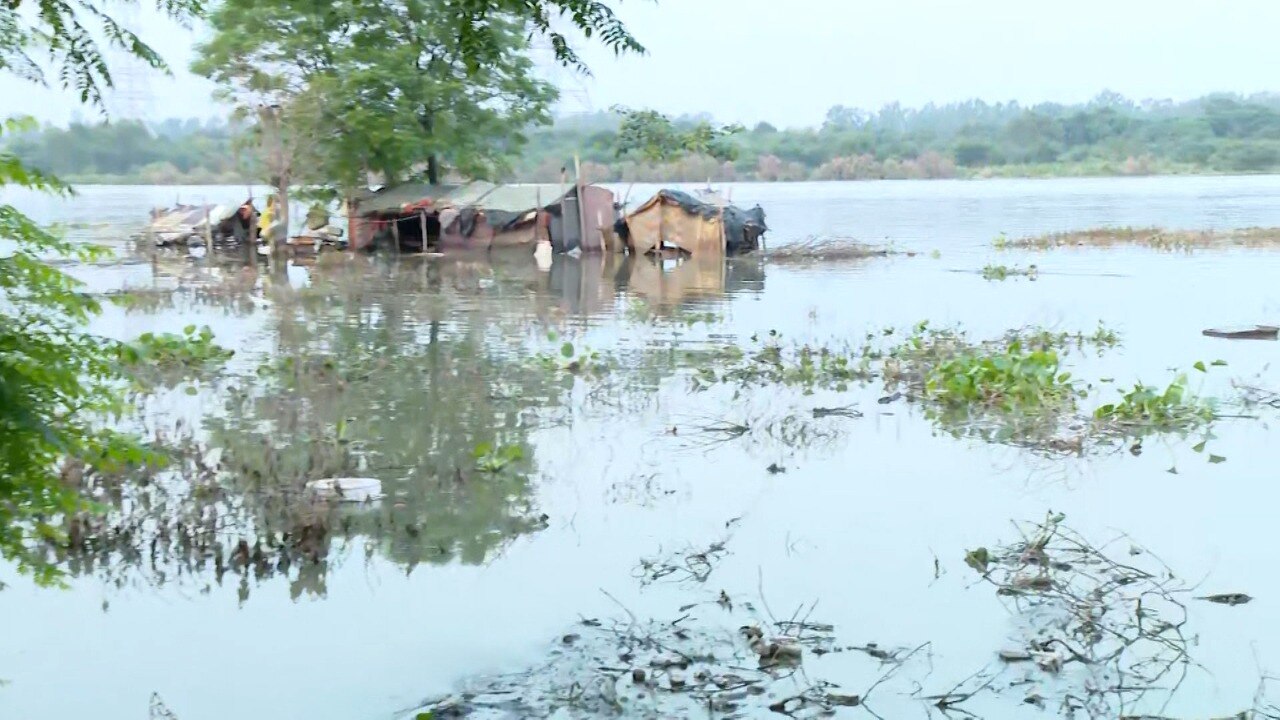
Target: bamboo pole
[(537, 218), (563, 225)]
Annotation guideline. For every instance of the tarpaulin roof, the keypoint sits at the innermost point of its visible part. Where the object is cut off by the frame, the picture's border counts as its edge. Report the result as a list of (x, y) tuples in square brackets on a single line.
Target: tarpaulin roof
[(391, 199), (518, 198), (741, 227), (503, 198)]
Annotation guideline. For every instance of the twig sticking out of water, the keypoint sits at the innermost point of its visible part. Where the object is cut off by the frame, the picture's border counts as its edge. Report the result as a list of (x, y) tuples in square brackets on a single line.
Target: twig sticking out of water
[(1111, 629)]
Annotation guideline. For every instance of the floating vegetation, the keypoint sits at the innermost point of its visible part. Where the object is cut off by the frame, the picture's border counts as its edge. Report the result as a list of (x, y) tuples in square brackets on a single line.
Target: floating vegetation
[(492, 459), (571, 360), (1151, 409), (1151, 237), (826, 248), (1009, 379), (1004, 272), (194, 348)]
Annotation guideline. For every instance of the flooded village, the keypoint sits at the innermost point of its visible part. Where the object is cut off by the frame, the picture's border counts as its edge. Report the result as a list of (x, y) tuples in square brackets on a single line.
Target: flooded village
[(767, 500), (440, 414)]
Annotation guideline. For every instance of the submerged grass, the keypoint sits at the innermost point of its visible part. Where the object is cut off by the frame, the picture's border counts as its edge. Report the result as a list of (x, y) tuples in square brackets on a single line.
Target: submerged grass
[(1151, 237)]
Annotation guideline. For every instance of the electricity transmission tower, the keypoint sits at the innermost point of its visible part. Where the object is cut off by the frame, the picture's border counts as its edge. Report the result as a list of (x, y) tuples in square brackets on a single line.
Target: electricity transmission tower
[(131, 96)]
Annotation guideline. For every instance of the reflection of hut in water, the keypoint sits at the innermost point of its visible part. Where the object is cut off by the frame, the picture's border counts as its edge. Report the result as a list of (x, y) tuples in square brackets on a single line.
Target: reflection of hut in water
[(671, 281), (707, 227), (482, 216)]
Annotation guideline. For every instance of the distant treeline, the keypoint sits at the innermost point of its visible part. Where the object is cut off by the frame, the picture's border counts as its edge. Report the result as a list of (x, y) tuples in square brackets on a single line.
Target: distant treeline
[(127, 151), (1110, 135)]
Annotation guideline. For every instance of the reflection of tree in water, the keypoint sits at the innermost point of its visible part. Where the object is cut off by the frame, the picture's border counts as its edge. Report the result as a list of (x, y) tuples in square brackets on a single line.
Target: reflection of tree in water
[(392, 369), (397, 375), (398, 381)]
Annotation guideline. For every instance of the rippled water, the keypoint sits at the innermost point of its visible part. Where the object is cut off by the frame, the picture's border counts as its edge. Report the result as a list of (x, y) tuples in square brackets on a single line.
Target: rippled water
[(458, 575)]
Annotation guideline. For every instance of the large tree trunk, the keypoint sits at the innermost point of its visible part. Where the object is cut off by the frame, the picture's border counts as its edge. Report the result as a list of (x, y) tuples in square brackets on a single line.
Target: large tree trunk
[(433, 170)]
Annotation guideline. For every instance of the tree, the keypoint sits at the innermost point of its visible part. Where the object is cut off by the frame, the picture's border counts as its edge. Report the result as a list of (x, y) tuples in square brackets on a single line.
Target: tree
[(348, 88), (651, 136), (57, 381)]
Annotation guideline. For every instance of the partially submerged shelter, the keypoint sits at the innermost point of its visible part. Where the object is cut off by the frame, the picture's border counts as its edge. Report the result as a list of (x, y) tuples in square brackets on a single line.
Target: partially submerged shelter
[(482, 216), (708, 227)]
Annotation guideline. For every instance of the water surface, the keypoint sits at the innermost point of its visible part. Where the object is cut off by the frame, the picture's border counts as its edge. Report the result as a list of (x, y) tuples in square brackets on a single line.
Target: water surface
[(459, 574)]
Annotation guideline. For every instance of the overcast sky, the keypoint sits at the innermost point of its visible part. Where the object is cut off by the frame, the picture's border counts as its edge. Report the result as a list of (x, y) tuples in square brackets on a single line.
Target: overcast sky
[(787, 62)]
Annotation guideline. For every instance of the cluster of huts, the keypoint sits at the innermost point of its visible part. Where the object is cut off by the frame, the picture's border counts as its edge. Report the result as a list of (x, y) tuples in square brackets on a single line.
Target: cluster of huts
[(480, 216)]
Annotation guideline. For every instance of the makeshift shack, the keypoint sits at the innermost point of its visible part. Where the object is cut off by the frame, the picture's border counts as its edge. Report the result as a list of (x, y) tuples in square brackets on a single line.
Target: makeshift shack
[(521, 215), (675, 220), (405, 216), (481, 216)]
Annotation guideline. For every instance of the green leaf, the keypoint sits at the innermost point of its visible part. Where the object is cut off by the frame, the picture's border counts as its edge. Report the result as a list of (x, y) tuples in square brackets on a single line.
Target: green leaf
[(567, 350), (1216, 459), (1200, 366), (1199, 447), (189, 330), (1219, 363)]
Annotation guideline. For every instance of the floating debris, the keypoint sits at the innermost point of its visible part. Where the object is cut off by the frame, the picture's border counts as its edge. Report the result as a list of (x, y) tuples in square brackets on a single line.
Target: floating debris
[(347, 489), (1227, 598), (1256, 332), (815, 248)]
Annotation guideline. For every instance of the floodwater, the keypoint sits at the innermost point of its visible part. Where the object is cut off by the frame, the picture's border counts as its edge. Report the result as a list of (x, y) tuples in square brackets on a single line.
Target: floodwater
[(460, 573)]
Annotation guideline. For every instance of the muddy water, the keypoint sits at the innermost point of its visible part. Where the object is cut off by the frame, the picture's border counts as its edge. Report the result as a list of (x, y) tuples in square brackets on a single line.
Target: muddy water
[(458, 573)]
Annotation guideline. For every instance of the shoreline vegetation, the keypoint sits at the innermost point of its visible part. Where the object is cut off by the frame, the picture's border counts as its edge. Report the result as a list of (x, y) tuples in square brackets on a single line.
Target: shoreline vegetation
[(166, 177), (1110, 136)]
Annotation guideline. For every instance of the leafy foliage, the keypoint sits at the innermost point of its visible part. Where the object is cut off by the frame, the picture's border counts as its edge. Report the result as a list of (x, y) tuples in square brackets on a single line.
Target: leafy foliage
[(1009, 378), (650, 135), (1172, 408), (58, 383), (391, 89), (69, 35), (56, 380)]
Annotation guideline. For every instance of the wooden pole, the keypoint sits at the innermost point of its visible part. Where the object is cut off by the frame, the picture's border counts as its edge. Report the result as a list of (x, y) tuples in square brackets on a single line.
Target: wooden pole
[(422, 221), (537, 218), (582, 205), (563, 225), (208, 232)]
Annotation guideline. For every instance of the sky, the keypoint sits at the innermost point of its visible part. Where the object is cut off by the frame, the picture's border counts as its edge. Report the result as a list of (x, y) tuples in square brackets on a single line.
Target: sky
[(787, 62)]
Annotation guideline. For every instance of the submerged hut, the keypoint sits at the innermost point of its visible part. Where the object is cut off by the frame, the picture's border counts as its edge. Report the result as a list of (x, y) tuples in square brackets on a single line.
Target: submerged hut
[(706, 227), (482, 216)]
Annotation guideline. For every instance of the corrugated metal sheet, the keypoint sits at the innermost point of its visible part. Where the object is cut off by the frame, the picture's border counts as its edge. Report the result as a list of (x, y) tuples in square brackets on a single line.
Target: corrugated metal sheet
[(469, 194)]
